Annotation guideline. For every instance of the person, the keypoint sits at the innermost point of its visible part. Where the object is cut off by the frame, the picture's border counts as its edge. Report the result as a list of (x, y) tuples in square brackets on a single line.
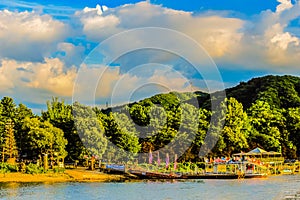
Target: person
[(22, 166)]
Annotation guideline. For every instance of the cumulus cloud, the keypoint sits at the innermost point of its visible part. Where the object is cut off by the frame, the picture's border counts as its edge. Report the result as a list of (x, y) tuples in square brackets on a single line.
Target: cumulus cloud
[(36, 79), (218, 35), (262, 42), (109, 84), (39, 58), (70, 53), (284, 5), (266, 43), (29, 36), (96, 24)]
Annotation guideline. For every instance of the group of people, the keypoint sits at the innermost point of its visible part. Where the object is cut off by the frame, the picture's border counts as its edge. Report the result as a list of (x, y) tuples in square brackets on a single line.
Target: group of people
[(235, 159)]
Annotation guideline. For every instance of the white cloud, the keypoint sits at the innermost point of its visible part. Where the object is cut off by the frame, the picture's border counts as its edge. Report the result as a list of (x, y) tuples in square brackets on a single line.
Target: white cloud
[(284, 39), (262, 42), (29, 39), (268, 45), (40, 79), (284, 5), (28, 35), (218, 35), (97, 10), (108, 83), (96, 24), (70, 54)]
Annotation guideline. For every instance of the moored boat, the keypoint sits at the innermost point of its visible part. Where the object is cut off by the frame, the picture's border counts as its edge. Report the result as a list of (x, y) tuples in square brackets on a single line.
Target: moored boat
[(154, 175)]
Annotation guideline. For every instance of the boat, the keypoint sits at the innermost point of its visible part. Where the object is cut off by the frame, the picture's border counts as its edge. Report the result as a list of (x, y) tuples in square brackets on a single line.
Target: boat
[(157, 175), (154, 175), (213, 176), (113, 169), (255, 176)]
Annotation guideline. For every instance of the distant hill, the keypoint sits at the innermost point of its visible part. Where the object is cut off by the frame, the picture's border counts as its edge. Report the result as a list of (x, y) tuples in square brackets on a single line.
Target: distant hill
[(279, 91)]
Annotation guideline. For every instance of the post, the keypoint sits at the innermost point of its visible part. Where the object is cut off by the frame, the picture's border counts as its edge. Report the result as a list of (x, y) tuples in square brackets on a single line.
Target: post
[(46, 161)]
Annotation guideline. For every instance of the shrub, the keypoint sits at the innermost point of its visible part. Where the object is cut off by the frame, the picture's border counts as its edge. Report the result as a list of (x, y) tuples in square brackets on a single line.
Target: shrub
[(34, 169), (58, 170), (7, 168)]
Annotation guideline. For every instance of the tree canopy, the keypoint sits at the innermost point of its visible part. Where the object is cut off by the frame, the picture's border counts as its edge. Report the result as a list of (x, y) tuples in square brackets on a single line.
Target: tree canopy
[(263, 112)]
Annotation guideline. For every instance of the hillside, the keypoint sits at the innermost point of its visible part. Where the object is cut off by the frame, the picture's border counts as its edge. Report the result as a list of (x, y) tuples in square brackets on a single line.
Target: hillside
[(280, 91), (263, 112)]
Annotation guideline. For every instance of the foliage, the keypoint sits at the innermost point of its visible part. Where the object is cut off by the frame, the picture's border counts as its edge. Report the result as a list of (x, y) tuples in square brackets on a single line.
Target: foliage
[(263, 112), (266, 120), (44, 138), (122, 134), (60, 115), (7, 168), (278, 91), (58, 170), (34, 169), (235, 132), (10, 147), (90, 130)]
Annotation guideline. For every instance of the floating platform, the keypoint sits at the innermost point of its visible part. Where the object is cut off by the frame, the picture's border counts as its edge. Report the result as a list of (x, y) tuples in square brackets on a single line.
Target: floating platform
[(156, 175)]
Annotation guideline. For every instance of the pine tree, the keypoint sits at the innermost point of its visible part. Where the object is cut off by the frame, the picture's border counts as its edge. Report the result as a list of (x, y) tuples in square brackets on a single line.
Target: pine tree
[(10, 147)]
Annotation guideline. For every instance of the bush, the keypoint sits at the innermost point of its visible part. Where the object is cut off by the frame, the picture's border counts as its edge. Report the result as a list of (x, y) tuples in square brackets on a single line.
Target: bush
[(58, 170), (7, 168), (34, 169)]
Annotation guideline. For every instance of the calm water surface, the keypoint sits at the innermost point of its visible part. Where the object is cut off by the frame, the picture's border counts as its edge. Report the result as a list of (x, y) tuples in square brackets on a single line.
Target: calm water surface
[(270, 188)]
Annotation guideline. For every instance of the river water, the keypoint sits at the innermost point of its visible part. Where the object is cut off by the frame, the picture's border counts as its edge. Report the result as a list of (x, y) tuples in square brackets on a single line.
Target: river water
[(276, 187)]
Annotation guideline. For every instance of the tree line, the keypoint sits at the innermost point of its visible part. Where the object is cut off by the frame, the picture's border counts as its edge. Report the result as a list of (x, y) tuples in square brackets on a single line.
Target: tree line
[(77, 131)]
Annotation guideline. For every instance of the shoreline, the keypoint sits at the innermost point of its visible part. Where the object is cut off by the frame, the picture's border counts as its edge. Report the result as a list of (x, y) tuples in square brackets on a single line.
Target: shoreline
[(70, 175)]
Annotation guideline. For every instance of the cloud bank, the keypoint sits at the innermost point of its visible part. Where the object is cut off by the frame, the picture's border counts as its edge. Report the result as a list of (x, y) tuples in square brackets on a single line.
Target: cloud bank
[(40, 54)]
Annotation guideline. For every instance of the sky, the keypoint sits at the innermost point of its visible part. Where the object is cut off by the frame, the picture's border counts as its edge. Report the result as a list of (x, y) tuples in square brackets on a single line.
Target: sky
[(115, 52)]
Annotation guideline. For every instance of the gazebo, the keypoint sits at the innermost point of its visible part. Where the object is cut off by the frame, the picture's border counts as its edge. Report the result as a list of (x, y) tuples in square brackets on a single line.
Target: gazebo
[(262, 155)]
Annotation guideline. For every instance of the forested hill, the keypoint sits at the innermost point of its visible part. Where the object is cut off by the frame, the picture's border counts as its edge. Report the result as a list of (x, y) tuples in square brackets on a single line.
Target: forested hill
[(279, 91), (263, 112)]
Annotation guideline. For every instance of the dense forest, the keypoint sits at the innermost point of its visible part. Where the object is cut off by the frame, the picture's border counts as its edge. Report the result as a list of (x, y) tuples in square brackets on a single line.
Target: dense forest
[(263, 112)]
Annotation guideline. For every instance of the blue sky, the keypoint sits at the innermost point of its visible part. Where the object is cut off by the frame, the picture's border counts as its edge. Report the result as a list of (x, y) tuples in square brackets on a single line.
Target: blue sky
[(247, 7), (62, 48)]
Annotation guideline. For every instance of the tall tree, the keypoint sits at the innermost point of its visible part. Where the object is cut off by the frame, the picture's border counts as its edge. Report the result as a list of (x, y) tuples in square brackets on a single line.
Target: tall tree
[(10, 147), (267, 121), (44, 138), (8, 108), (236, 129), (90, 129), (21, 113), (60, 115), (122, 134), (293, 128)]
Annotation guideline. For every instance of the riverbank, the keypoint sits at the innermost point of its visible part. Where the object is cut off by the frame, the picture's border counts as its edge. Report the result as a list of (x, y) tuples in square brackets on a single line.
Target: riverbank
[(70, 175)]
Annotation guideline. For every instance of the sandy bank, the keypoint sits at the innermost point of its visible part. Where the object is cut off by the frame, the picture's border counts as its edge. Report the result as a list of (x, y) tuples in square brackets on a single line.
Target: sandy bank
[(70, 175)]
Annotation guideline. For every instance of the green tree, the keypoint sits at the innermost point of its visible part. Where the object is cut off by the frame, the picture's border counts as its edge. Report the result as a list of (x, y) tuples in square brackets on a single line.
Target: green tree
[(267, 121), (60, 115), (293, 128), (90, 129), (188, 131), (235, 132), (10, 147), (44, 138), (8, 108), (122, 134), (21, 113)]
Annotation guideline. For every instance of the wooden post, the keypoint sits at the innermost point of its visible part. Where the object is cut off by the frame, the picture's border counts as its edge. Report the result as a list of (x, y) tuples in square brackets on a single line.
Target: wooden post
[(46, 167), (92, 163), (3, 154)]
